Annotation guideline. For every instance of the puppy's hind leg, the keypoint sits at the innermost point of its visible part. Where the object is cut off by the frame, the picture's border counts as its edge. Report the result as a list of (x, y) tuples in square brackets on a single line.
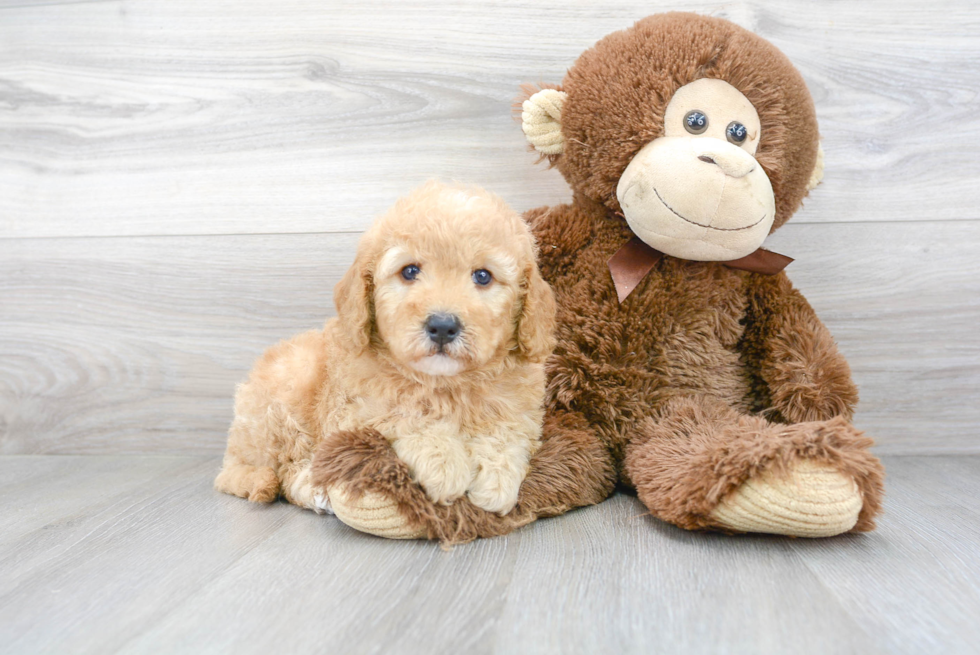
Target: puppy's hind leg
[(257, 483), (246, 470), (294, 448), (298, 489)]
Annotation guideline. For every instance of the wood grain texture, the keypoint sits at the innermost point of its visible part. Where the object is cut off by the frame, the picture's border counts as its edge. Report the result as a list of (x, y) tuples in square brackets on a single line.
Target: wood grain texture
[(46, 495), (246, 116), (173, 566), (23, 4), (104, 339), (134, 345)]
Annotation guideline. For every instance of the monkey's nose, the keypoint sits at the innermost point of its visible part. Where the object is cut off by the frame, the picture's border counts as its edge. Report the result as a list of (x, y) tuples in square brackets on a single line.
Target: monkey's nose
[(732, 160), (442, 328)]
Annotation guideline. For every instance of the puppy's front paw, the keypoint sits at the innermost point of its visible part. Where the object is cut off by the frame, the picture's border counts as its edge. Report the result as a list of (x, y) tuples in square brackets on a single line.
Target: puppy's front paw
[(445, 481), (443, 471), (495, 489)]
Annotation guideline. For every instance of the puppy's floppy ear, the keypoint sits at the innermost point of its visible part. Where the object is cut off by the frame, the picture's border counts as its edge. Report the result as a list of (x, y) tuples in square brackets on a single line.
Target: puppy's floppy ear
[(536, 324), (353, 297)]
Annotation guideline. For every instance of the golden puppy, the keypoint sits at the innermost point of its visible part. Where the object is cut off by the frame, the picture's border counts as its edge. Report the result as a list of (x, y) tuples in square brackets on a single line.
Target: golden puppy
[(443, 324)]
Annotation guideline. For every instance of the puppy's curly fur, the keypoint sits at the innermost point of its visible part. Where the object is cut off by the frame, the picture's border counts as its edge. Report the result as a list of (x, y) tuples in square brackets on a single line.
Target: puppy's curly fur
[(465, 416)]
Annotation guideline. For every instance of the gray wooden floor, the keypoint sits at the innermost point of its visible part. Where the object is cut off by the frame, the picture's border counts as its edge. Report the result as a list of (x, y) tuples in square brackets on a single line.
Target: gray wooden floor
[(107, 554)]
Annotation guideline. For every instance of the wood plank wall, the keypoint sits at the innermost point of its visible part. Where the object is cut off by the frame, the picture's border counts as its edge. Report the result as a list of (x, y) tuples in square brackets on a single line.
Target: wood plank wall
[(182, 183)]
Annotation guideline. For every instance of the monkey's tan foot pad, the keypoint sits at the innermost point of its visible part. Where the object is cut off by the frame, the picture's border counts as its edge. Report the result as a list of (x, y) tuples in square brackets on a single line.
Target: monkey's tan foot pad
[(813, 500), (372, 513)]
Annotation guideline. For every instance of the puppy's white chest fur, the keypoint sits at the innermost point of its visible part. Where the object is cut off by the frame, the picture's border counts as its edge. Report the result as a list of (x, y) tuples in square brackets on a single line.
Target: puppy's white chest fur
[(454, 448)]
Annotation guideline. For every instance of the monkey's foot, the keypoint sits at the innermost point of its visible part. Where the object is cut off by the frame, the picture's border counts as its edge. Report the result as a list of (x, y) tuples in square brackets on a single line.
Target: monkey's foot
[(812, 499), (372, 513)]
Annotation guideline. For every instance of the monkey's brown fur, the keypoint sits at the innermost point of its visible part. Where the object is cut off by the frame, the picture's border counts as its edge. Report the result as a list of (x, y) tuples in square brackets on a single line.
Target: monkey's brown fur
[(704, 377)]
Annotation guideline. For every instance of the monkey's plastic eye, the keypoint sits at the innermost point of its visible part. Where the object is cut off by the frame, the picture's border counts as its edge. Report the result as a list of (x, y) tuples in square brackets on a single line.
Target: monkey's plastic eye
[(736, 132), (482, 277), (695, 122), (411, 272)]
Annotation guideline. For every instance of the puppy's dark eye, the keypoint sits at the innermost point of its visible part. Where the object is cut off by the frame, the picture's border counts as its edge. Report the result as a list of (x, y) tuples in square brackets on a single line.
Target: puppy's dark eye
[(736, 132), (410, 272), (482, 276), (695, 122)]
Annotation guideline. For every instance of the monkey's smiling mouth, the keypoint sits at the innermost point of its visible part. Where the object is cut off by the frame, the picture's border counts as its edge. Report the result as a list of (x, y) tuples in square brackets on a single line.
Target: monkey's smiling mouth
[(720, 229)]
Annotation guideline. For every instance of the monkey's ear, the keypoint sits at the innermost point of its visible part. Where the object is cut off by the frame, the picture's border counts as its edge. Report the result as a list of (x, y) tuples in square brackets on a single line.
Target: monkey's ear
[(541, 121), (817, 175)]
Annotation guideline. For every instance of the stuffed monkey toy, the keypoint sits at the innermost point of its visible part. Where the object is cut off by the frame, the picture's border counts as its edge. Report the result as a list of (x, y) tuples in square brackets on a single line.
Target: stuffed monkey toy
[(687, 367)]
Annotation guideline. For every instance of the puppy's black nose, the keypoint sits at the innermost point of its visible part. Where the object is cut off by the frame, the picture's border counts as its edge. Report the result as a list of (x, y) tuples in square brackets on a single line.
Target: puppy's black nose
[(442, 328)]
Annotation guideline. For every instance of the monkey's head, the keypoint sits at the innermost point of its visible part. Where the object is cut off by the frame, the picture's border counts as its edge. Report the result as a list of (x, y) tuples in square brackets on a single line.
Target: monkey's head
[(701, 133)]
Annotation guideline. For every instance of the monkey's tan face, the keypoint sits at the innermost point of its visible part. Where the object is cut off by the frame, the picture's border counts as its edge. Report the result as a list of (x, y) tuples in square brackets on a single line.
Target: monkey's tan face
[(698, 192)]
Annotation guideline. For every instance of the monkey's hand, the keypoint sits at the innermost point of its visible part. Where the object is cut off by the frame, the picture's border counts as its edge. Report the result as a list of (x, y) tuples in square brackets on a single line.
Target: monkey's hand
[(793, 354)]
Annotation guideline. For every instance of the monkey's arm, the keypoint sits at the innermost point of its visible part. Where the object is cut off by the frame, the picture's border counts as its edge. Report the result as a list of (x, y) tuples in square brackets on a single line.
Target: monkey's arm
[(373, 491), (561, 231), (797, 369)]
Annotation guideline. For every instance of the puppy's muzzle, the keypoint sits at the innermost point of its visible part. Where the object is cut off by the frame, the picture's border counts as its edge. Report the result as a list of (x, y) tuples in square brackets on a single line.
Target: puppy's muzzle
[(442, 328)]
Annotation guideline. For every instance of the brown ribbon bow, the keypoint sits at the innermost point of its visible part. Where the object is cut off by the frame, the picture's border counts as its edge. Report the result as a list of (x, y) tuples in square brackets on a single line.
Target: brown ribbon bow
[(632, 262)]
